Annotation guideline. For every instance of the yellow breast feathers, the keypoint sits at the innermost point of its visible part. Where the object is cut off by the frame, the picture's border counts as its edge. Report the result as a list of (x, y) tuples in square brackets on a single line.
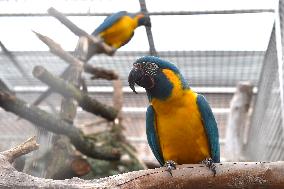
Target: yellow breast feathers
[(120, 32), (179, 125)]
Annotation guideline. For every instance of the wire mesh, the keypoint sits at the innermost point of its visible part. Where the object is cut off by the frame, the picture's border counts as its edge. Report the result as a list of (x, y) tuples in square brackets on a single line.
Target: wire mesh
[(265, 135), (265, 142), (203, 69)]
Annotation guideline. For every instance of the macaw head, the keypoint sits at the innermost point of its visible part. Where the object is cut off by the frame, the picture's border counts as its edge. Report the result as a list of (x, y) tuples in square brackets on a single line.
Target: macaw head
[(143, 20), (157, 76)]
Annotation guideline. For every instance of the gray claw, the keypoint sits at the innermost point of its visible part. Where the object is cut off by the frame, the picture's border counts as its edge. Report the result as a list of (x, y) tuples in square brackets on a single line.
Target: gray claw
[(170, 165), (208, 162)]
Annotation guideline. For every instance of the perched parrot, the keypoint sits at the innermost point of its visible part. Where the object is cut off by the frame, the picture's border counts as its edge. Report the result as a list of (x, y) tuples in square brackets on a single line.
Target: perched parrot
[(118, 28), (180, 125)]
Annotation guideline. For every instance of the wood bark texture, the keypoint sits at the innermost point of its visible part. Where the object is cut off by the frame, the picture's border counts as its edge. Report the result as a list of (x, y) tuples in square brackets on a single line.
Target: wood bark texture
[(54, 124), (237, 122), (67, 90)]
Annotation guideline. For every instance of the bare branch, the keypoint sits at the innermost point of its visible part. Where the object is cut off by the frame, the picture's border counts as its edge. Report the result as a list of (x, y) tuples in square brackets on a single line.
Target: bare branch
[(65, 21), (79, 32), (100, 72), (22, 149), (97, 72), (48, 92), (67, 90), (54, 124), (56, 49), (191, 176), (117, 94)]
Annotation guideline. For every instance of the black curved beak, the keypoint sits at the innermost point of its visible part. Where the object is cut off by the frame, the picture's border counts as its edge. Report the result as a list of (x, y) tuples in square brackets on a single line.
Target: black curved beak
[(140, 78)]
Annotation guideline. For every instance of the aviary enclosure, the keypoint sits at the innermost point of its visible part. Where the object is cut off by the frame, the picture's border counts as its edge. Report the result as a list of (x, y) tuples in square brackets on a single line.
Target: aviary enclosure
[(89, 124)]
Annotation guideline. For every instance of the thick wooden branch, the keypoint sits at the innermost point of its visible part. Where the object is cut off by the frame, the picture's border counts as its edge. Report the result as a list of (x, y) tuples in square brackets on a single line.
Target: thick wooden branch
[(117, 97), (56, 49), (54, 124), (195, 176), (65, 21), (192, 176), (68, 104), (97, 72), (67, 90), (100, 72), (79, 32), (22, 149)]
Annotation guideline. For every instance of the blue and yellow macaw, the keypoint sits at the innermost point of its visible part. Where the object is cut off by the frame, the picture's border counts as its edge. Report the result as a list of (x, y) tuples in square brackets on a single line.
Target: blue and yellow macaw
[(118, 28), (180, 125)]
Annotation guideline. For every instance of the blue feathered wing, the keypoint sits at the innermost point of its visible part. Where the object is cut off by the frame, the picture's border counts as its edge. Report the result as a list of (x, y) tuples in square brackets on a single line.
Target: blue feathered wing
[(210, 126), (152, 135), (109, 21)]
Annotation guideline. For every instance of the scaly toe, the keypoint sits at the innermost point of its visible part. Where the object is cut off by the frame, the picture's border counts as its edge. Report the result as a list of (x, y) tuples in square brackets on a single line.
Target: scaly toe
[(170, 165), (208, 162)]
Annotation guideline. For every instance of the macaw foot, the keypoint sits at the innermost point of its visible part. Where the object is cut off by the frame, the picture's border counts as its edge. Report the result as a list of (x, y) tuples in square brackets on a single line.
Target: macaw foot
[(170, 165), (208, 162)]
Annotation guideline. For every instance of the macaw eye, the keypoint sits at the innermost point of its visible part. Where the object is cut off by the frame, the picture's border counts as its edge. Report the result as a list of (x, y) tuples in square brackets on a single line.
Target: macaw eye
[(152, 66)]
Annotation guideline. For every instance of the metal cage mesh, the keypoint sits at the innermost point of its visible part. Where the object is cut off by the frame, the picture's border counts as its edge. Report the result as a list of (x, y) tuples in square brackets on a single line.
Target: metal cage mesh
[(213, 73), (266, 131)]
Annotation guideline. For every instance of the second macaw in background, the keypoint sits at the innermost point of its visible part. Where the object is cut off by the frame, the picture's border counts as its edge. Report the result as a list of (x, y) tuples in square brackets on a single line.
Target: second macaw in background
[(180, 125), (118, 28)]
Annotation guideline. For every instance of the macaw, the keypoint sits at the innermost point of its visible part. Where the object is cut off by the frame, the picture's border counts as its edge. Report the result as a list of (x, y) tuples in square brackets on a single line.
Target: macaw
[(118, 28), (180, 125)]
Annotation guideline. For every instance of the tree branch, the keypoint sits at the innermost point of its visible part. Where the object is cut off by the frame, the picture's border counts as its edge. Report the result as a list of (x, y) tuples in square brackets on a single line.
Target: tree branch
[(190, 176), (67, 90), (60, 165), (54, 124), (65, 21), (79, 32), (100, 72), (97, 72), (22, 149), (56, 49)]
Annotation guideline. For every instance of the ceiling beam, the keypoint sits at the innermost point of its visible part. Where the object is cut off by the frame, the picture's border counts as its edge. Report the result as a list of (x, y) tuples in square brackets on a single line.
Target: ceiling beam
[(162, 13)]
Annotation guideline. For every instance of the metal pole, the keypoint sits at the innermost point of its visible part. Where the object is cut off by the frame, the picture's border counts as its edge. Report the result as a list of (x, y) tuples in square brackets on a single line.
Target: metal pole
[(153, 51), (278, 39)]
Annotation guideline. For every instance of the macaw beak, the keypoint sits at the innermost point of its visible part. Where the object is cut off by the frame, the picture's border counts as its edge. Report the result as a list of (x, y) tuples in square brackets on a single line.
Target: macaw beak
[(137, 76)]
